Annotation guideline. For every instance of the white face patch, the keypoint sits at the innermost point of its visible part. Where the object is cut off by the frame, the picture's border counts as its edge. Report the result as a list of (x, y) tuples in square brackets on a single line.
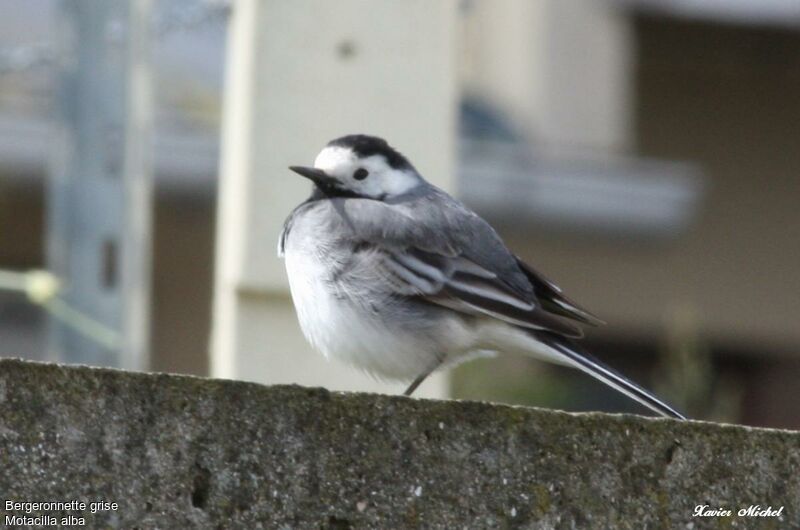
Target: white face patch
[(382, 180), (331, 158)]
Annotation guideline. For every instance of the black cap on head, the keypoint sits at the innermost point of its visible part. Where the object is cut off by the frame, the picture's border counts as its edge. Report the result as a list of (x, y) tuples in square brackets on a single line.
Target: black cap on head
[(364, 146)]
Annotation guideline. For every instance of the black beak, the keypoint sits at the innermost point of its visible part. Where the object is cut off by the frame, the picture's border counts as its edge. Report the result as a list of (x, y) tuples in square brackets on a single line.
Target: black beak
[(317, 176)]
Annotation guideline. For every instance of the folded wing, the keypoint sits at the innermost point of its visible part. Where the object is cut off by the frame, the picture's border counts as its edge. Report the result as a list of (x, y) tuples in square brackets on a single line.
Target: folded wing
[(553, 299), (457, 260), (462, 285)]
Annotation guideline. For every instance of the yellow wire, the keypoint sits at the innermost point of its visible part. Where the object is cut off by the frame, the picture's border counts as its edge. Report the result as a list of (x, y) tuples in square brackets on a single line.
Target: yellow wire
[(41, 288)]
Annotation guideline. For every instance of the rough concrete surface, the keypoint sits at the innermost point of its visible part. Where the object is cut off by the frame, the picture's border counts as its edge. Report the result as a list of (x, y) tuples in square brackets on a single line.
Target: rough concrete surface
[(184, 452)]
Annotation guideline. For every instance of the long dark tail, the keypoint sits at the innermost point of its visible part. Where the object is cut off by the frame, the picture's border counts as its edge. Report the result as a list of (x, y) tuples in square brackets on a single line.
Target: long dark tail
[(592, 366)]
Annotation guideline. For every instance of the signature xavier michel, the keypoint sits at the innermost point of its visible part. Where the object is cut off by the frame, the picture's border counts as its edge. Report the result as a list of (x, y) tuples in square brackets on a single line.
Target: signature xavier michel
[(754, 510)]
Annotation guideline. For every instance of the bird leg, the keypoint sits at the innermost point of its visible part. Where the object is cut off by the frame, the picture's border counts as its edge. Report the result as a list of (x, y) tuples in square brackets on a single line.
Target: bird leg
[(422, 377)]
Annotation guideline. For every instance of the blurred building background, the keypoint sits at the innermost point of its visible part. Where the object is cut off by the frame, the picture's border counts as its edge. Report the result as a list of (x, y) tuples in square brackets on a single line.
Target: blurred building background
[(642, 154)]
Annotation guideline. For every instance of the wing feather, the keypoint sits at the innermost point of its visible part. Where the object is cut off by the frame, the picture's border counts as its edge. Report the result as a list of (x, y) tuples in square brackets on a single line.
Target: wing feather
[(553, 299), (456, 259), (465, 286)]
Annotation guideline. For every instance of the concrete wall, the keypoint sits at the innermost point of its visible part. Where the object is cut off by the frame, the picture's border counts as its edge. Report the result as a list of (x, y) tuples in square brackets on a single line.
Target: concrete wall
[(182, 452)]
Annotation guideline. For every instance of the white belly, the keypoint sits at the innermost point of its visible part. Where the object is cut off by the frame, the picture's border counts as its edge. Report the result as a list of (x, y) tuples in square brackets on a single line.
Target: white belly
[(340, 328)]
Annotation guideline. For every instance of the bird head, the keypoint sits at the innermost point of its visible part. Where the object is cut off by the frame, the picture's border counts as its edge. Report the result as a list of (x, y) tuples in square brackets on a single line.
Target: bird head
[(361, 166)]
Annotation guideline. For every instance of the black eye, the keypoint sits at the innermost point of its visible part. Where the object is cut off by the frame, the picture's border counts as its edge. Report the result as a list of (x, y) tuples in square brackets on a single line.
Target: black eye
[(360, 174)]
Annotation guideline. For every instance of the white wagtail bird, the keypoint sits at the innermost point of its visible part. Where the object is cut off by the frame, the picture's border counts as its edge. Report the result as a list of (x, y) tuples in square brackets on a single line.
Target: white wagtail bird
[(392, 275)]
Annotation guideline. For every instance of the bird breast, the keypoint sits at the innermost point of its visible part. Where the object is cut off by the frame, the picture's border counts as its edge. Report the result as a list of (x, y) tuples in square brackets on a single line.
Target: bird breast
[(346, 314)]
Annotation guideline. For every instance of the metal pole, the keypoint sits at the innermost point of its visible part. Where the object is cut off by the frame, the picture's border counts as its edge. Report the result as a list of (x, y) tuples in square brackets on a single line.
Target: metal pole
[(138, 191), (100, 191)]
